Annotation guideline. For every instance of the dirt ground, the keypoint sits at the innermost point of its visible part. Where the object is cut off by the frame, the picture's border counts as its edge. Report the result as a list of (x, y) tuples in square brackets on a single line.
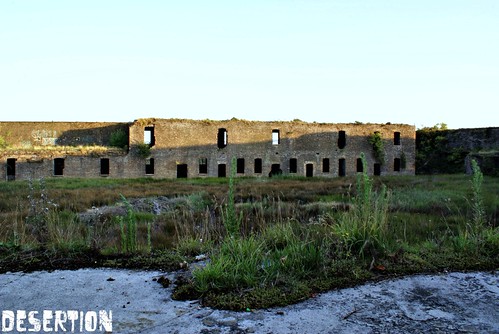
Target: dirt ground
[(444, 303)]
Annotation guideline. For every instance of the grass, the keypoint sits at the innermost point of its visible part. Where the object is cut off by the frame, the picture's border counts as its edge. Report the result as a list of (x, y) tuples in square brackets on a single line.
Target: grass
[(288, 238)]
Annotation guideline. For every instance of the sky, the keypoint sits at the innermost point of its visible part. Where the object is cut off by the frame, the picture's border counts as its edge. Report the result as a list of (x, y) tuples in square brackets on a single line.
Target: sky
[(417, 62)]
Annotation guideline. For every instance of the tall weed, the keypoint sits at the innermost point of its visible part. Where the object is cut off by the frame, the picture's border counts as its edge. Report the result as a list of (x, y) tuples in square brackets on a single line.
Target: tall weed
[(476, 234), (40, 206), (363, 229), (231, 221), (477, 207), (128, 228)]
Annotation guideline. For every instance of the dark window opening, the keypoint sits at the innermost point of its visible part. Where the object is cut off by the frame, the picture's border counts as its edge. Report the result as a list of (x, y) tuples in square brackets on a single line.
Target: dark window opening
[(258, 166), (222, 170), (377, 169), (150, 166), (59, 166), (149, 136), (11, 169), (222, 138), (342, 167), (104, 166), (240, 166), (325, 165), (396, 165), (276, 138), (275, 170), (203, 166), (342, 139), (293, 165), (181, 171), (396, 138), (360, 166), (309, 170)]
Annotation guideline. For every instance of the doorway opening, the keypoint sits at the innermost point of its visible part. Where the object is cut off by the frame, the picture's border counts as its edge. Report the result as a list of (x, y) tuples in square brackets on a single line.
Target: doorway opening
[(222, 170), (11, 169), (275, 170), (309, 170), (59, 166), (104, 166), (181, 171), (342, 167), (150, 166)]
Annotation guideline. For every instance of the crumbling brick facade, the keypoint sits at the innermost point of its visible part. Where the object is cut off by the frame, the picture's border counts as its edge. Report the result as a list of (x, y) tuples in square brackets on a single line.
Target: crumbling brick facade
[(191, 148)]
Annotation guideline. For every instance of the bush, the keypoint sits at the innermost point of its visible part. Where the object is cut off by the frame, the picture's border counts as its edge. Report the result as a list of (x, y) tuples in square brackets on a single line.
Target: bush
[(377, 142), (143, 150), (119, 138)]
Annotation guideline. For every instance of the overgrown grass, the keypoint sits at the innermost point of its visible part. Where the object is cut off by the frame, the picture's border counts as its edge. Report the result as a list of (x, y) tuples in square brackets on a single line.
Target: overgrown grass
[(269, 241), (363, 229)]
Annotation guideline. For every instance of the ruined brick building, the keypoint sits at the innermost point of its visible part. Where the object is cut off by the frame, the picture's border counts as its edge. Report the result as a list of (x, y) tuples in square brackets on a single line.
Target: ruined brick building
[(175, 148)]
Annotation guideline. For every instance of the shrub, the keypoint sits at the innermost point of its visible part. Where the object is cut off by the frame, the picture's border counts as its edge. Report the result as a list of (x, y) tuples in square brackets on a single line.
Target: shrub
[(143, 150), (119, 138), (378, 148)]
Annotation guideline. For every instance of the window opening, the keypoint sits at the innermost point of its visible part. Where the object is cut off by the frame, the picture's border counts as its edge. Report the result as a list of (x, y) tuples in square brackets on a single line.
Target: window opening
[(342, 167), (222, 170), (222, 138), (240, 165), (396, 164), (342, 139), (203, 166), (276, 138), (149, 136), (293, 165), (325, 165), (182, 171), (360, 166), (150, 166), (309, 170), (11, 169), (104, 166), (377, 169), (258, 166), (396, 138)]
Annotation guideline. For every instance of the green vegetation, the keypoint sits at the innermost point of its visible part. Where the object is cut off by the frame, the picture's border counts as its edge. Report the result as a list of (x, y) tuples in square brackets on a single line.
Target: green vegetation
[(3, 142), (143, 150), (364, 227), (376, 140), (477, 207), (119, 138), (232, 222), (270, 241), (434, 154), (128, 229)]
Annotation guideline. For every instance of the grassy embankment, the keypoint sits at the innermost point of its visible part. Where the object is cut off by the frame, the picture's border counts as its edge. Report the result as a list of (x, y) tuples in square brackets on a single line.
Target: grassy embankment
[(270, 241)]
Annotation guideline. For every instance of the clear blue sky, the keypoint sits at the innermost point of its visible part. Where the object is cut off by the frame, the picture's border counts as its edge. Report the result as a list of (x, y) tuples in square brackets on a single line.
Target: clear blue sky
[(419, 62)]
